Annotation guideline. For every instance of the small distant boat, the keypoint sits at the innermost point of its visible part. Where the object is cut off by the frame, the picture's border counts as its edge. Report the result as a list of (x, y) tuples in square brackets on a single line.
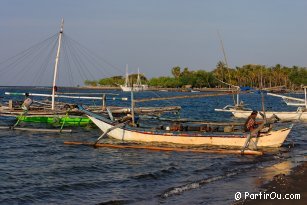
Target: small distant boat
[(137, 87), (195, 91)]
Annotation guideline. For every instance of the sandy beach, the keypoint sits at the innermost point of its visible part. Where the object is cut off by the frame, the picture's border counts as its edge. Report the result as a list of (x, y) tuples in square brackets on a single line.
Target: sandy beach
[(283, 186)]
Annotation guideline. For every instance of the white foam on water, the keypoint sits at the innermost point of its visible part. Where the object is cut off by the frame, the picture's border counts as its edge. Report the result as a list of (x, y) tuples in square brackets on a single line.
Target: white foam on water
[(195, 185)]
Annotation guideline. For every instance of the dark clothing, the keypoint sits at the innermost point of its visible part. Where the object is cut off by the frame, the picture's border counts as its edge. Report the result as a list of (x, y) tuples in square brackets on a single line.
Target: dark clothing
[(250, 124), (26, 104)]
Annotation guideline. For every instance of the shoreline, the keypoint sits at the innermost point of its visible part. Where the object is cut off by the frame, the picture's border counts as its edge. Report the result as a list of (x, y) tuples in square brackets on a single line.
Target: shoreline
[(281, 184), (152, 89), (118, 88)]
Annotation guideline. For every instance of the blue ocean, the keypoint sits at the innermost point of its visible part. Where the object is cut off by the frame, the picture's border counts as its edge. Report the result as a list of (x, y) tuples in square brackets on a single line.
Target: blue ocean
[(38, 168)]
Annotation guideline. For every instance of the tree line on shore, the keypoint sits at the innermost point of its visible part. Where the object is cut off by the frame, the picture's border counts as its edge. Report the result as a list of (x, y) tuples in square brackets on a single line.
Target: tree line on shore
[(252, 75)]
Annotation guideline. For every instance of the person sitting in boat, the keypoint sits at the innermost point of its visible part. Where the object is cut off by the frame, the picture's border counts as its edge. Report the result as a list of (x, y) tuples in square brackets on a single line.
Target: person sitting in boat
[(128, 118), (26, 103), (251, 122)]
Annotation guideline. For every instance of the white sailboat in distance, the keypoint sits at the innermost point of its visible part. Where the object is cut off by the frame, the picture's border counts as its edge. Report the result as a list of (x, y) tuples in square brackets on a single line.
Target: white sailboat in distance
[(138, 86)]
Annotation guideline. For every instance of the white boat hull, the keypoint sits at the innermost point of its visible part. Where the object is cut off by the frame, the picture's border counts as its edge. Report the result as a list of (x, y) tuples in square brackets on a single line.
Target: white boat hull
[(135, 89), (271, 139), (283, 116)]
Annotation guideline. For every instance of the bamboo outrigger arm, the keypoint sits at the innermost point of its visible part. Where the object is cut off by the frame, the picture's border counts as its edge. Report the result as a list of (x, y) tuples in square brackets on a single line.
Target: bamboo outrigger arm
[(182, 97), (120, 125), (67, 96), (286, 97), (36, 129), (166, 149)]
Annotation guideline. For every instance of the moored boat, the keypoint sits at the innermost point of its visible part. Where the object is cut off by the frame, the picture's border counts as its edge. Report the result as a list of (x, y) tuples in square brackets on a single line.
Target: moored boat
[(299, 114), (137, 87), (206, 135)]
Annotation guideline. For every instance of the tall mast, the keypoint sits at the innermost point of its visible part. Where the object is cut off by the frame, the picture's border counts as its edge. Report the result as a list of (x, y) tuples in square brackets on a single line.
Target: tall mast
[(138, 81), (305, 91), (127, 77), (56, 64), (225, 59)]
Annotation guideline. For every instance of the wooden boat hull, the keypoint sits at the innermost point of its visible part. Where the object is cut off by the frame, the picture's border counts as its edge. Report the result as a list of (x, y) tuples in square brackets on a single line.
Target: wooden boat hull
[(271, 139)]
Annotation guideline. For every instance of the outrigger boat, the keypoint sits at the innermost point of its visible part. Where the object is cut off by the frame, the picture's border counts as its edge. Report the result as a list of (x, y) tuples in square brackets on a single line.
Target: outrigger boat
[(300, 114), (64, 114), (68, 115), (209, 134)]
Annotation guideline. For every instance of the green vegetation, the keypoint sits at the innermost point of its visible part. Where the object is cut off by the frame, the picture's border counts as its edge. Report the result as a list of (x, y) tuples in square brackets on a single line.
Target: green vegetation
[(247, 75), (113, 81), (90, 83)]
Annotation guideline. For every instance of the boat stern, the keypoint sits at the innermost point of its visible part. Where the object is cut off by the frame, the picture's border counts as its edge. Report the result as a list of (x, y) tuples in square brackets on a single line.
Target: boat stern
[(274, 138)]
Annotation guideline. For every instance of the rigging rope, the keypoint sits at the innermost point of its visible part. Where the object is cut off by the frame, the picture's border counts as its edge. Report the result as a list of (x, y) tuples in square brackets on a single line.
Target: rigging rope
[(92, 54), (38, 79), (18, 66), (36, 62)]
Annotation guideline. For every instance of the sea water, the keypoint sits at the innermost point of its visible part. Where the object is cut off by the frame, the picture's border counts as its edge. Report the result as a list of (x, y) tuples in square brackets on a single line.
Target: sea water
[(37, 168)]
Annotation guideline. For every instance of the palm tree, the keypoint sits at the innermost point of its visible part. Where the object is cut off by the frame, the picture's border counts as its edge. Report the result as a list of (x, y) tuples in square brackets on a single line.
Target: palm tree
[(176, 71)]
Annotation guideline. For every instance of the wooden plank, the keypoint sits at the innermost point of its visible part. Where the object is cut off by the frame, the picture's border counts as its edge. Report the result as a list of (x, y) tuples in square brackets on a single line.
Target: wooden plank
[(175, 149), (67, 96), (183, 97)]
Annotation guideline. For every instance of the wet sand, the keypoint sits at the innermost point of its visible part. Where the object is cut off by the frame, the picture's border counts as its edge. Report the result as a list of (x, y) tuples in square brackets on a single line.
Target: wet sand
[(294, 183)]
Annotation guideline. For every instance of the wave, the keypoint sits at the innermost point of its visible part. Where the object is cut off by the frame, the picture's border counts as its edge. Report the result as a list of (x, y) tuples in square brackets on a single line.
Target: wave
[(114, 202), (194, 185), (155, 175)]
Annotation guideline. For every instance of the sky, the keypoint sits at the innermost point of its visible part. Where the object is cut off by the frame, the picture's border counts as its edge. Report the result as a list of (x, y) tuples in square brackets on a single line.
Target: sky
[(156, 35)]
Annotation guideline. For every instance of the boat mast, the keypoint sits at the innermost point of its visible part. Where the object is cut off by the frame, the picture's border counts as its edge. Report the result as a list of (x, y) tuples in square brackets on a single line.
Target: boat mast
[(132, 108), (138, 81), (56, 64), (226, 63), (127, 77), (305, 90)]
